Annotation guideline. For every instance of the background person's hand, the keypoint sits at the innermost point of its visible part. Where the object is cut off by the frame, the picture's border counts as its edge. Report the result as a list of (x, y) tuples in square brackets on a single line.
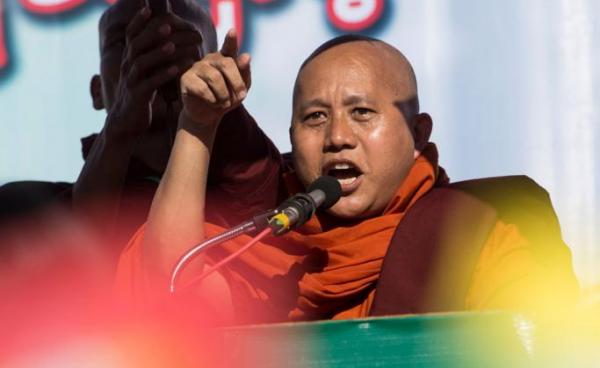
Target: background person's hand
[(216, 84), (157, 50)]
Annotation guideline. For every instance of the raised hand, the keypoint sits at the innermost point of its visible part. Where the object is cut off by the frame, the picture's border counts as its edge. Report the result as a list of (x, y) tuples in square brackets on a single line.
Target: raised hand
[(156, 51), (216, 84)]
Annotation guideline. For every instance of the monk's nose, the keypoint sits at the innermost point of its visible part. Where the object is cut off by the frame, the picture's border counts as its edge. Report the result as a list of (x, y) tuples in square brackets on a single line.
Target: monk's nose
[(340, 134)]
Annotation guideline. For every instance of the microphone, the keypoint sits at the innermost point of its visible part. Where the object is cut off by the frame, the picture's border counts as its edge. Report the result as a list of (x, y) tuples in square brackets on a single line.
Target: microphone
[(170, 90), (295, 211)]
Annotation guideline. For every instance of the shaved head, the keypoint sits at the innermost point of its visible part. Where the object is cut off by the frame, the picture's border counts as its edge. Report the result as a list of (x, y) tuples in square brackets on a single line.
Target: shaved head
[(397, 68)]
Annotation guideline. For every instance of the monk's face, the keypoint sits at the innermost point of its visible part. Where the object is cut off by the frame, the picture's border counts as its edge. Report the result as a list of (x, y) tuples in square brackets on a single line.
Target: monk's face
[(347, 123)]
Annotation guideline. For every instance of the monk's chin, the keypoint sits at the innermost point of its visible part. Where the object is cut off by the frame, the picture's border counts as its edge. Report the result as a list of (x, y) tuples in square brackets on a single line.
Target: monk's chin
[(347, 210)]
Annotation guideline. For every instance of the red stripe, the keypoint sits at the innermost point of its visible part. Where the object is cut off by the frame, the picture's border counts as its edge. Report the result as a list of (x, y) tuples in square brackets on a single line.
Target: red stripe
[(57, 8), (3, 52)]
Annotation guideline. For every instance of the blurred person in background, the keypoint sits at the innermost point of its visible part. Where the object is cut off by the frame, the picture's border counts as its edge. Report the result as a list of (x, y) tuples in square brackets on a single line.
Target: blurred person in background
[(139, 54)]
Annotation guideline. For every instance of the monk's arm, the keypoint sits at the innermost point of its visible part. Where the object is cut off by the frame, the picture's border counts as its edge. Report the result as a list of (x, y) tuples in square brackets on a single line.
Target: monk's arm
[(176, 219), (211, 88)]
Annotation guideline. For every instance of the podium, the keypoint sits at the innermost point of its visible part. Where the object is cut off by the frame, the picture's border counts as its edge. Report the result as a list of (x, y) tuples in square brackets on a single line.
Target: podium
[(490, 339)]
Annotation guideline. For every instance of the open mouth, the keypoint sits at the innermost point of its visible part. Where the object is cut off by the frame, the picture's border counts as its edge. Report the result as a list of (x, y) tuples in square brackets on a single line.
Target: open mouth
[(345, 172)]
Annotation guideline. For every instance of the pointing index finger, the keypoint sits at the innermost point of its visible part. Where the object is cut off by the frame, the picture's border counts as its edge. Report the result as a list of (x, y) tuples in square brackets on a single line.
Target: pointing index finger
[(230, 45)]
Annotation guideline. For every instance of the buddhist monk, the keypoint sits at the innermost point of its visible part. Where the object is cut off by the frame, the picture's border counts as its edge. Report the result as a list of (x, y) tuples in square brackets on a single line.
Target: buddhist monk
[(356, 117)]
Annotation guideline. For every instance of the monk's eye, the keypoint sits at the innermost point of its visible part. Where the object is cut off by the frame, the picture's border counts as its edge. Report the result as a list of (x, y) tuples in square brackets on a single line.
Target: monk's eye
[(362, 113), (315, 117)]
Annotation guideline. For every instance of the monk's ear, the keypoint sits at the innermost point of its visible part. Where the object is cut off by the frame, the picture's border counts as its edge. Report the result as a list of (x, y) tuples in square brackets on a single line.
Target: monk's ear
[(291, 133), (422, 132), (96, 92)]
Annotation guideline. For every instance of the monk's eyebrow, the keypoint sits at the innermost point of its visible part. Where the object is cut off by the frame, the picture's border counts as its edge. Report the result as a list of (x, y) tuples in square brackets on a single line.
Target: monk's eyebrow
[(357, 99), (315, 102)]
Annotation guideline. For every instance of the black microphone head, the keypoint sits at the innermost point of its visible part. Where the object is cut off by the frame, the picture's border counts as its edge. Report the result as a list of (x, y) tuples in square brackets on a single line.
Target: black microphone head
[(330, 186)]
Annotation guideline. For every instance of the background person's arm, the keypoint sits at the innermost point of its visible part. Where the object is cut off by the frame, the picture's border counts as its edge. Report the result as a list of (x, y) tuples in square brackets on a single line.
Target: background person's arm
[(155, 51)]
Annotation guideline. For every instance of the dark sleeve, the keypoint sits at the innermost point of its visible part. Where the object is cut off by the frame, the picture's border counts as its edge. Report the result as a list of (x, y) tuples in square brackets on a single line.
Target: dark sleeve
[(23, 198), (245, 171)]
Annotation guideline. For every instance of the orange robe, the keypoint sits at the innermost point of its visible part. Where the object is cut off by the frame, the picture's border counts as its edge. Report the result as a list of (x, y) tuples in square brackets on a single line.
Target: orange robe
[(328, 269)]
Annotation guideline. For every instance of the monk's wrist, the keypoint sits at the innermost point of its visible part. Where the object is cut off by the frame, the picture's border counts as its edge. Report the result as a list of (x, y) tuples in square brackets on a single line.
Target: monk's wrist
[(207, 125)]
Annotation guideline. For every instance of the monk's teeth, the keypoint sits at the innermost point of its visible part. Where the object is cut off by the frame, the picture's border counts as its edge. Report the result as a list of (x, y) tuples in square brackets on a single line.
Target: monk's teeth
[(347, 181), (342, 166)]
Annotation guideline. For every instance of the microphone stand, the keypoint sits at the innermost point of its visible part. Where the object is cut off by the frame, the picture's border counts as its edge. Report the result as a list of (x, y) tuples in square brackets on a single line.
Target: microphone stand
[(258, 223)]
